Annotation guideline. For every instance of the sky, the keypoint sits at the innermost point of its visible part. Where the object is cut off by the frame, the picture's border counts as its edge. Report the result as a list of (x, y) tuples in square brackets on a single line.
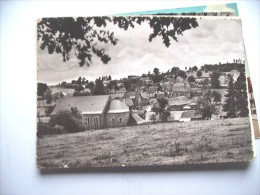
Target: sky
[(213, 41)]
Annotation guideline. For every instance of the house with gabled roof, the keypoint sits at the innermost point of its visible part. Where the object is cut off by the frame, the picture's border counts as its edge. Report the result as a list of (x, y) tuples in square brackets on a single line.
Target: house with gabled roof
[(178, 103), (92, 108), (129, 95), (190, 115), (181, 89), (136, 120), (117, 114), (98, 112), (175, 116)]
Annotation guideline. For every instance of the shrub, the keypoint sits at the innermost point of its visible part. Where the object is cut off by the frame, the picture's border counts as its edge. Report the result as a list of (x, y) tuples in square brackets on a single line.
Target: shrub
[(81, 93), (44, 129), (71, 120), (49, 110)]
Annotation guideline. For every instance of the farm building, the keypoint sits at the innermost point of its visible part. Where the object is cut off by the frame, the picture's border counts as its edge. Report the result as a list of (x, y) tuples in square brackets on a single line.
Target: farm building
[(152, 89), (119, 83), (116, 95), (65, 91), (167, 86), (146, 80), (178, 103), (106, 83), (204, 74), (175, 116), (117, 114), (139, 88), (130, 95), (189, 115), (97, 111), (181, 89), (190, 106), (93, 109), (136, 120)]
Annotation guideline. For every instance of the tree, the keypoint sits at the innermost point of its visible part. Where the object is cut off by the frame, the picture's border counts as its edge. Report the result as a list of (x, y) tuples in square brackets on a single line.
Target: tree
[(79, 81), (182, 74), (84, 80), (48, 97), (84, 93), (199, 73), (91, 85), (157, 78), (230, 104), (216, 96), (241, 95), (191, 79), (208, 96), (215, 83), (74, 82), (49, 110), (160, 109), (63, 84), (153, 118), (194, 68), (79, 88), (109, 78), (99, 88), (70, 119), (175, 70), (205, 82), (205, 108), (127, 84), (41, 88), (159, 87), (87, 35), (156, 71)]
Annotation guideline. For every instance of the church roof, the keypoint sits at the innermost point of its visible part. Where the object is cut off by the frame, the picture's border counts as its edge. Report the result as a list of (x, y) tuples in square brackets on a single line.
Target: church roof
[(86, 104)]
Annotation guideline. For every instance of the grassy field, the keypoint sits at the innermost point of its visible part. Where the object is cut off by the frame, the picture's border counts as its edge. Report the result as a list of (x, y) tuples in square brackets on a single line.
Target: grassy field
[(224, 140)]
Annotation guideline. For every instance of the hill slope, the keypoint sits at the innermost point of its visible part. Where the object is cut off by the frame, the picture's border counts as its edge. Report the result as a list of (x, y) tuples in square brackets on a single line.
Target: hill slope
[(147, 145)]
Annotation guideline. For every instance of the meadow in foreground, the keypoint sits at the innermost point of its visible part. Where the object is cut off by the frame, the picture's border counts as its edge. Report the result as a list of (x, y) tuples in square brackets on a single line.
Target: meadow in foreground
[(227, 140)]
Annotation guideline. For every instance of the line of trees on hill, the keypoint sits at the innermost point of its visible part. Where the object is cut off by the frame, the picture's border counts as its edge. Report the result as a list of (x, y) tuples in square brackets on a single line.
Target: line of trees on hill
[(226, 67)]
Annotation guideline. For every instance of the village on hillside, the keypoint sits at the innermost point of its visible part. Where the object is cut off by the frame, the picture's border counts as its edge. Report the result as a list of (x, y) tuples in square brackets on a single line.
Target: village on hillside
[(174, 96)]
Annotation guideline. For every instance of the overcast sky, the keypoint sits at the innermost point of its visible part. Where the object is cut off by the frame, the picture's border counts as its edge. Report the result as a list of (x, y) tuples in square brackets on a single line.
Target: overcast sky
[(214, 41)]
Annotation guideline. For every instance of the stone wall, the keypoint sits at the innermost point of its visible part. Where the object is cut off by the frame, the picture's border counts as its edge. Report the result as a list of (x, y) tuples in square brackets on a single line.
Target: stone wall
[(88, 120), (117, 119)]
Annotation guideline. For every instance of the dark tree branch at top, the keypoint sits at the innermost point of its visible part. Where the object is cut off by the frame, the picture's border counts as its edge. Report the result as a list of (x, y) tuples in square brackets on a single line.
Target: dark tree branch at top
[(85, 35)]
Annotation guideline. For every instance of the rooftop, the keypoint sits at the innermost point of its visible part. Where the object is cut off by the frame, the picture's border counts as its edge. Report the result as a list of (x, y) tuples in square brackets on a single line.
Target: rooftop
[(190, 114), (175, 115), (116, 106), (181, 100), (86, 104), (137, 119), (181, 86)]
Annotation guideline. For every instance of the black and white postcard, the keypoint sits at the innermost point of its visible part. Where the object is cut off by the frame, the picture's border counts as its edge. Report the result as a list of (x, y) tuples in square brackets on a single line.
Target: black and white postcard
[(141, 91)]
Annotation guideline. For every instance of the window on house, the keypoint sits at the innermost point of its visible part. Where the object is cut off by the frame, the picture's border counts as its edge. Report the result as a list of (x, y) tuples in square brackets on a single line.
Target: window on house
[(96, 125), (87, 119)]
